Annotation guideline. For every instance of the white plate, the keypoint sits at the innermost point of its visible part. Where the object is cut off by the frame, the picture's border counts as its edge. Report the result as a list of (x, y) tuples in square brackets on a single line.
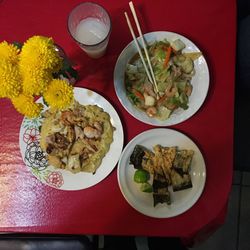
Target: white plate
[(200, 81), (181, 200), (35, 159)]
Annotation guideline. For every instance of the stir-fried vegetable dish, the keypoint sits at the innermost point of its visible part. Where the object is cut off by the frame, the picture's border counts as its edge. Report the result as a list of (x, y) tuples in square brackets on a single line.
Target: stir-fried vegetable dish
[(173, 72)]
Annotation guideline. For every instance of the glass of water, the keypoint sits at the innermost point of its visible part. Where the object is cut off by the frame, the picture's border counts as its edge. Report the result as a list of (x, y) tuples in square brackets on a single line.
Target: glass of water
[(89, 25)]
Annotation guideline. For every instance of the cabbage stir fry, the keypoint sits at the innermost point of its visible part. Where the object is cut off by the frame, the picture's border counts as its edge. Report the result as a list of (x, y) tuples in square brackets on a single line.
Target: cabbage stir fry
[(173, 71)]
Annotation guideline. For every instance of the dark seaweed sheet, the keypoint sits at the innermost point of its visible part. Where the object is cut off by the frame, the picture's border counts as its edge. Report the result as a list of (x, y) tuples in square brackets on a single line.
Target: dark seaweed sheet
[(160, 190), (137, 156)]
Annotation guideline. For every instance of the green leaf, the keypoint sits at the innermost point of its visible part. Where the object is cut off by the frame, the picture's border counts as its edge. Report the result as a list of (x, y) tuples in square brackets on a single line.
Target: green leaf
[(18, 44)]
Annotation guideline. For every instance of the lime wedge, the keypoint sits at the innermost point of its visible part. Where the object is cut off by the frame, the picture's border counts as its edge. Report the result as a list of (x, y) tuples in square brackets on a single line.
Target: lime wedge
[(141, 176), (146, 187)]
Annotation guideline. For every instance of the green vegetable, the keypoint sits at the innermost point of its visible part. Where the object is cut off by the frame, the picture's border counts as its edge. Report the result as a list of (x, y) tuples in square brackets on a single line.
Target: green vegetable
[(183, 101), (162, 86), (132, 97), (141, 176), (164, 113), (160, 54), (146, 187), (181, 86)]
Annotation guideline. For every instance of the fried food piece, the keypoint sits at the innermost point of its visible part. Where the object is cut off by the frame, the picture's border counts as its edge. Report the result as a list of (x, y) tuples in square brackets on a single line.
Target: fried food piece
[(168, 165), (147, 161), (163, 160), (183, 161), (180, 182), (160, 190), (137, 156), (142, 158), (158, 160)]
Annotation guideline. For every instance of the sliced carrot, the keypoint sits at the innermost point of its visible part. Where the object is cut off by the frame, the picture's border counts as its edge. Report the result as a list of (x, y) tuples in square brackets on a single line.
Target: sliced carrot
[(138, 94), (168, 54)]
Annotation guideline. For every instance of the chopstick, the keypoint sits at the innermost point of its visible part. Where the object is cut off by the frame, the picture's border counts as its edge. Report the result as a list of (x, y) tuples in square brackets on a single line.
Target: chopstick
[(138, 47), (150, 74), (131, 5)]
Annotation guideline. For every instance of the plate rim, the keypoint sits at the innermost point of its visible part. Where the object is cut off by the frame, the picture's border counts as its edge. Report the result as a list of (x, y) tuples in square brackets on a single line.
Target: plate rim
[(155, 122), (120, 141), (131, 142)]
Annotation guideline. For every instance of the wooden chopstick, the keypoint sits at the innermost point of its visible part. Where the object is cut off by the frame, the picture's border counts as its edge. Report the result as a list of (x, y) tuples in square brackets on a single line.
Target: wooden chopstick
[(138, 47), (131, 5)]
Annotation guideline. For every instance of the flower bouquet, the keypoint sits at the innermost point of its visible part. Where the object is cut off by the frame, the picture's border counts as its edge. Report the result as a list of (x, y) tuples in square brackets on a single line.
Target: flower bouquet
[(32, 69)]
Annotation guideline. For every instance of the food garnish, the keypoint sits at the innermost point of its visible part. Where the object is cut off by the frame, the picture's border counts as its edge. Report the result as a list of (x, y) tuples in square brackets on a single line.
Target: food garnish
[(141, 176), (168, 167)]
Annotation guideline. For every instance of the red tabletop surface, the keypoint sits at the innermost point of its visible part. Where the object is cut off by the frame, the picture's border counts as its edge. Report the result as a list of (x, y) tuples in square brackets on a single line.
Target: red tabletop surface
[(27, 205)]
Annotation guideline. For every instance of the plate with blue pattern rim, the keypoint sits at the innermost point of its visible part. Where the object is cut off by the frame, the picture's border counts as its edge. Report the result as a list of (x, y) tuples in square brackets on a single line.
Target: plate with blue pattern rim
[(36, 161), (200, 81), (143, 202)]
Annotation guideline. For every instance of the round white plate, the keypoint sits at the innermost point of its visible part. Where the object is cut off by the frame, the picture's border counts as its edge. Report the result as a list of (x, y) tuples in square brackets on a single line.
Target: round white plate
[(200, 81), (181, 201), (35, 159)]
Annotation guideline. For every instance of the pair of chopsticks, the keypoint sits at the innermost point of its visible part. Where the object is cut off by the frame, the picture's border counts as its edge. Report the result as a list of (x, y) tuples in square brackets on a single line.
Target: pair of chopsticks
[(150, 72)]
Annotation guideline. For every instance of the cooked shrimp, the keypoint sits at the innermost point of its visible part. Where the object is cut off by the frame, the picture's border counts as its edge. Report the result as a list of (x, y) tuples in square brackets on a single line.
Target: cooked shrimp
[(92, 133), (151, 111), (71, 118), (170, 92), (67, 117)]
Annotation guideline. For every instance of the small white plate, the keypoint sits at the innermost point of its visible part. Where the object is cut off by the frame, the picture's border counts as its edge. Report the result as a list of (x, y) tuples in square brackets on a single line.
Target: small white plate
[(181, 201), (200, 81), (35, 159)]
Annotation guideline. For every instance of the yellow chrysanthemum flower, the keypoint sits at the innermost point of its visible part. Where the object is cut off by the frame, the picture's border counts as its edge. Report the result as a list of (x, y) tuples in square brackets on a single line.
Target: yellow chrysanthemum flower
[(9, 52), (10, 79), (35, 80), (40, 51), (59, 94), (25, 105)]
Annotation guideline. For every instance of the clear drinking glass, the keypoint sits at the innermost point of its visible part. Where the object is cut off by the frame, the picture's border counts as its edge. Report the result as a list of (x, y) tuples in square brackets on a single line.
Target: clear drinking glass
[(89, 24)]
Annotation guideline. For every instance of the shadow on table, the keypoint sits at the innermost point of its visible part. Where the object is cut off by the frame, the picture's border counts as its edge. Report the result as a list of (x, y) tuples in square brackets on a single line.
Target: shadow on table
[(45, 242), (80, 242)]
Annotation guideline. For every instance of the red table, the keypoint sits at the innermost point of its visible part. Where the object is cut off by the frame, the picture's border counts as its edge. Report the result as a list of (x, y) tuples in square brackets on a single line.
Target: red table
[(27, 205)]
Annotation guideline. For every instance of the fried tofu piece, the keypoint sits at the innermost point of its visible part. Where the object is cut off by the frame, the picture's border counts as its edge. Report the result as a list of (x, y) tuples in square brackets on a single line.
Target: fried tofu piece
[(148, 162), (180, 182), (183, 161), (158, 160), (168, 154), (163, 160), (161, 193)]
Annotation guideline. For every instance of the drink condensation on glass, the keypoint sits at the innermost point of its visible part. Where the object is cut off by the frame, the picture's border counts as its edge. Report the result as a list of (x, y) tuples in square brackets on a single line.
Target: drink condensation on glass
[(89, 24)]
